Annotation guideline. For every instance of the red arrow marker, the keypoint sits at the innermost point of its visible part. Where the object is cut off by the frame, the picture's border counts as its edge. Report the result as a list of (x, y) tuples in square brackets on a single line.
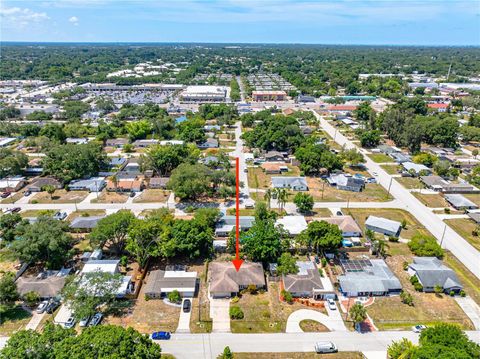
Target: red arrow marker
[(237, 262)]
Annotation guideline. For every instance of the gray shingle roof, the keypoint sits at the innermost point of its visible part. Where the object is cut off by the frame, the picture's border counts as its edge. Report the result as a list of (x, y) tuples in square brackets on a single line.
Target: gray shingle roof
[(223, 277), (431, 272)]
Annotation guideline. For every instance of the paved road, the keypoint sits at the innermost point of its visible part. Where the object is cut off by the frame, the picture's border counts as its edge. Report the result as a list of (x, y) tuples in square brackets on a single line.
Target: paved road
[(242, 89), (452, 241), (239, 153), (184, 346), (471, 309)]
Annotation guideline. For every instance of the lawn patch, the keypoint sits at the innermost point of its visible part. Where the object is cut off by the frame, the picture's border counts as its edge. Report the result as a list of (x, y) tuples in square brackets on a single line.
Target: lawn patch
[(431, 200), (60, 196), (391, 169), (14, 319), (257, 178), (110, 197), (308, 325), (323, 192), (380, 158), (410, 182), (471, 284), (152, 195), (465, 227)]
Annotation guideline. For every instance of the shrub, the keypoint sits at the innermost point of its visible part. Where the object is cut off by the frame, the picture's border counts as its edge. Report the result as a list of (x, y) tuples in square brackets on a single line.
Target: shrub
[(393, 239), (324, 262), (405, 266), (174, 296), (236, 312), (320, 271), (404, 224), (124, 261), (438, 289), (462, 293), (452, 293), (31, 298), (406, 298), (252, 289), (425, 246), (190, 209), (235, 300), (287, 296), (227, 354), (418, 287), (446, 210)]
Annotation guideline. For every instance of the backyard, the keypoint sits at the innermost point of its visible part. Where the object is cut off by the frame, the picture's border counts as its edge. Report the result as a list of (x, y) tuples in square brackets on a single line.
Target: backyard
[(323, 192), (14, 319)]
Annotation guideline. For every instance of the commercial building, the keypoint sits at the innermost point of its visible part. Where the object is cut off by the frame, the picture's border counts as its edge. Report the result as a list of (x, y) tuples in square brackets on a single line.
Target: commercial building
[(204, 94)]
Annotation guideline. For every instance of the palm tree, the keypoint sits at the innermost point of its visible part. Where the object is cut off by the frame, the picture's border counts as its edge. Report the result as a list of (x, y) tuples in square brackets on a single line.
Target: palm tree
[(370, 235), (114, 180), (381, 246), (281, 194), (268, 197)]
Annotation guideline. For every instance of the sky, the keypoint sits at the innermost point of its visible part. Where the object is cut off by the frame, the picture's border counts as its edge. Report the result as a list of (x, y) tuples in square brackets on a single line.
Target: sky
[(393, 22)]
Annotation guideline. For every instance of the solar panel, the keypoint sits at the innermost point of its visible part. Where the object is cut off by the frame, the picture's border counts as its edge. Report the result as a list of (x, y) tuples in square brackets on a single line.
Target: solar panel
[(356, 265)]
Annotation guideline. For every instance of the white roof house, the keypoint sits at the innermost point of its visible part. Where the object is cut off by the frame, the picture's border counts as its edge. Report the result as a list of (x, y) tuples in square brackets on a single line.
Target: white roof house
[(5, 141), (101, 265), (460, 202), (292, 224), (415, 167), (383, 225)]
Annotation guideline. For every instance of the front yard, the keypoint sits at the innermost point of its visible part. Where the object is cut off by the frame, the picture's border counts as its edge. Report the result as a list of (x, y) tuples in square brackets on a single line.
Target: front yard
[(471, 284), (465, 228), (60, 196), (380, 158), (413, 226), (110, 197), (257, 178), (152, 195), (264, 312), (410, 182), (431, 200), (13, 320), (86, 213), (308, 355)]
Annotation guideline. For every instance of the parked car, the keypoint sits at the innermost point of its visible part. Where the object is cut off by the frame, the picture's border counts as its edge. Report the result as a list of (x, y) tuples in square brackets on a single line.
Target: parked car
[(339, 213), (374, 173), (418, 328), (42, 307), (161, 335), (5, 194), (331, 304), (325, 347), (132, 194), (60, 216), (84, 322), (16, 209), (187, 305), (96, 320), (70, 323), (52, 306), (27, 193)]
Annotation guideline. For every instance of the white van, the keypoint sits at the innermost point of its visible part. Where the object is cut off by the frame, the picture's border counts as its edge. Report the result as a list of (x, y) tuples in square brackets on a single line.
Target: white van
[(325, 347)]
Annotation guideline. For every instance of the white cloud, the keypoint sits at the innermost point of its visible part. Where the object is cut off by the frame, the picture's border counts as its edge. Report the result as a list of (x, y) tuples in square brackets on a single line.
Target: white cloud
[(15, 17), (73, 20)]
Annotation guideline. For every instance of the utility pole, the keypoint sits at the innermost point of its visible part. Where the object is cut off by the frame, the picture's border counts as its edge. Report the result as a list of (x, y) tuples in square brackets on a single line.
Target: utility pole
[(443, 234), (390, 185)]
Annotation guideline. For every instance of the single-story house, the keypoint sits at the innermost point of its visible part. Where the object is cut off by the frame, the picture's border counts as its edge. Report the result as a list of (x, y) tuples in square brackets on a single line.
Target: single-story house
[(475, 216), (388, 149), (116, 142), (400, 157), (293, 183), (158, 182), (305, 99), (346, 183), (367, 277), (85, 223), (39, 183), (125, 186), (431, 272), (209, 160), (306, 283), (416, 168), (162, 282), (460, 202), (439, 184), (294, 225), (347, 225), (145, 143), (47, 284), (77, 141), (227, 223), (224, 280), (117, 163), (94, 184), (383, 225), (274, 156), (209, 143), (5, 141), (171, 142), (107, 266), (12, 184)]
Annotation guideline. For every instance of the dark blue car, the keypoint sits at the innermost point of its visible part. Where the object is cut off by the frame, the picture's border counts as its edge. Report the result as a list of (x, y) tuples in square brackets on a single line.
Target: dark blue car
[(161, 335)]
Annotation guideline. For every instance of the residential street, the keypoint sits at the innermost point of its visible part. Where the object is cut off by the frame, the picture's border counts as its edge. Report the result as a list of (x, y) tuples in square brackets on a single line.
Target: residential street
[(452, 241)]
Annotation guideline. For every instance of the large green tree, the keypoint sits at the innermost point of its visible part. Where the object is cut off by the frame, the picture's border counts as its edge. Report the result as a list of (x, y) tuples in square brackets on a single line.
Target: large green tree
[(321, 235), (71, 161), (45, 241), (12, 162), (8, 292), (164, 159), (315, 157), (190, 181), (112, 230)]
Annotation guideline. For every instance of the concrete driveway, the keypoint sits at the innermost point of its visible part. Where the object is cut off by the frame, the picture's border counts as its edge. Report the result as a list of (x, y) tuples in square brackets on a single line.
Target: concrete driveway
[(219, 312), (184, 321), (35, 320), (333, 321)]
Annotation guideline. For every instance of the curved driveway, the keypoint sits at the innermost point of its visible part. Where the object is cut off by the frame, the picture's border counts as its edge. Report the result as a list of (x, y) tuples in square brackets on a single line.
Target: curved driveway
[(333, 321)]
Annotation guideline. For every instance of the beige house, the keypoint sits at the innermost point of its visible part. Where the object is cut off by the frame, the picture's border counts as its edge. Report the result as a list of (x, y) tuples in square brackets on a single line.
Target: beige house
[(224, 281)]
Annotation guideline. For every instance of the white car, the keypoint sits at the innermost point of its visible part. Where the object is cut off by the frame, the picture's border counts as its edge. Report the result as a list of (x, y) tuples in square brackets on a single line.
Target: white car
[(375, 173), (418, 328), (42, 307), (331, 304)]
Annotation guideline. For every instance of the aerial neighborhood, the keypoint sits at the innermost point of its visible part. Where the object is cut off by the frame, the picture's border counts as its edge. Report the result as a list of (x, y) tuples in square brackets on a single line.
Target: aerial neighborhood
[(354, 183)]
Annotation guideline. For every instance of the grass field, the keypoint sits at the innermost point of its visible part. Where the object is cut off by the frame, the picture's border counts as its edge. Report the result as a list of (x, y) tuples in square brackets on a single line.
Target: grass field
[(380, 158), (110, 197), (14, 319), (60, 196), (465, 227), (474, 197), (389, 313), (152, 195), (431, 200), (37, 213), (410, 182), (257, 178), (413, 226), (323, 192), (309, 325), (86, 213), (471, 284), (391, 169)]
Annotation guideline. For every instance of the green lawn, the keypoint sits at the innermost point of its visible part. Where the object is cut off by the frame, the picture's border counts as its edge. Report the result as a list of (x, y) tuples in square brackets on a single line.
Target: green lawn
[(380, 158), (13, 320), (410, 182), (391, 169), (465, 228), (471, 284)]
